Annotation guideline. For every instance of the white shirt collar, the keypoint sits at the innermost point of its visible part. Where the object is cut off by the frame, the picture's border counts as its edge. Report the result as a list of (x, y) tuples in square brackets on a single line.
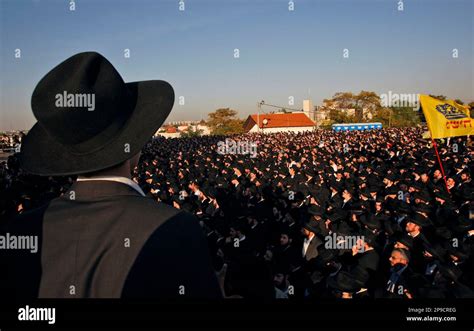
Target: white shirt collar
[(118, 179)]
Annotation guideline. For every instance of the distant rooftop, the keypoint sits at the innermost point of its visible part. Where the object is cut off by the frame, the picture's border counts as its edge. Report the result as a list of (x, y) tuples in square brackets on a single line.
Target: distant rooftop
[(278, 120)]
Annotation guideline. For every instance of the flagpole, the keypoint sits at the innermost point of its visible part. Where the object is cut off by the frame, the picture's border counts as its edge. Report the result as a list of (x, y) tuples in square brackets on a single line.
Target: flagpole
[(440, 164)]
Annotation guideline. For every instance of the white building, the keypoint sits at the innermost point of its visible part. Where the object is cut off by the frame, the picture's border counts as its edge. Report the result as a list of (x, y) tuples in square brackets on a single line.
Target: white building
[(280, 122), (308, 109)]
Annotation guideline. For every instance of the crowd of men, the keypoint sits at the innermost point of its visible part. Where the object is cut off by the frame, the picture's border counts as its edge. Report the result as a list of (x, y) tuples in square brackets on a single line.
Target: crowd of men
[(360, 214), (10, 140)]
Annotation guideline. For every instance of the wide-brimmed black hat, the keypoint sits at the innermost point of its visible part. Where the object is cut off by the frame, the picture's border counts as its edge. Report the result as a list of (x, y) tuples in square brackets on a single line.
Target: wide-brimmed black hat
[(441, 194), (349, 281), (312, 225), (315, 210), (404, 239), (89, 119), (371, 222), (419, 220)]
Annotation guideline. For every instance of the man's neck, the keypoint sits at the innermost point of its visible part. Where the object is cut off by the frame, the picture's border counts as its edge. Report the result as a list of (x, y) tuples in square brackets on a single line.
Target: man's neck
[(121, 170)]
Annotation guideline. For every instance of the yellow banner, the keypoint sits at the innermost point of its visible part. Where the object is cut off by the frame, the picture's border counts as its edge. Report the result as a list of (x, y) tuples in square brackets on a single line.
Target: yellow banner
[(446, 118)]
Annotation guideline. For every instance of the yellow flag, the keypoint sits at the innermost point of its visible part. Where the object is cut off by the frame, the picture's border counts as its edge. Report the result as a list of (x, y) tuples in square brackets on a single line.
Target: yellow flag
[(446, 118), (426, 135)]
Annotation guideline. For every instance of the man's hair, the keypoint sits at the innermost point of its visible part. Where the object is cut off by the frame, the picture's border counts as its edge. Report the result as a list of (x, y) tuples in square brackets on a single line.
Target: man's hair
[(466, 172), (403, 252)]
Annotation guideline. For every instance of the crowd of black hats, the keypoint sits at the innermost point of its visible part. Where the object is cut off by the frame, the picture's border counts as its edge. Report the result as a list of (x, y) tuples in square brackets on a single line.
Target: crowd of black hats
[(259, 211), (361, 214), (20, 191), (9, 141)]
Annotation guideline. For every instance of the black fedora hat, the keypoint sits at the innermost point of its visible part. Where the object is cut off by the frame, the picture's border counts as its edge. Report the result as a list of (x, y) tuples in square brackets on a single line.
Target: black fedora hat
[(349, 281), (89, 119), (312, 225), (371, 222), (315, 210), (419, 220), (404, 239)]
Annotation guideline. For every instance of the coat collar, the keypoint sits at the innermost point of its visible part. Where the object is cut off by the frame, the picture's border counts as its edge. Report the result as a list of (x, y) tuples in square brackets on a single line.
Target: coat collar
[(84, 190)]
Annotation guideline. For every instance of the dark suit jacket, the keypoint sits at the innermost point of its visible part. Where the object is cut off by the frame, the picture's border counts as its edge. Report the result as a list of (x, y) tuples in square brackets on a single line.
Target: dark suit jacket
[(369, 260), (312, 251), (109, 242)]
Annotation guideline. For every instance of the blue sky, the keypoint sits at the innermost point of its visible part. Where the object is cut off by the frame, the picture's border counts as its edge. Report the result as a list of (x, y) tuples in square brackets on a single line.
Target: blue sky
[(282, 53)]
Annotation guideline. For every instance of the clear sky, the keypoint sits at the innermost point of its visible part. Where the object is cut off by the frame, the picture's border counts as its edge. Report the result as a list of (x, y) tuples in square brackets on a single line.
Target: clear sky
[(282, 53)]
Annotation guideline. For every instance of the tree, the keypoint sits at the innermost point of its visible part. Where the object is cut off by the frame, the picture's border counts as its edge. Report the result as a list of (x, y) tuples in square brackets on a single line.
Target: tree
[(191, 132), (405, 116), (368, 101), (383, 115), (439, 97), (338, 116), (364, 101), (397, 116), (224, 121)]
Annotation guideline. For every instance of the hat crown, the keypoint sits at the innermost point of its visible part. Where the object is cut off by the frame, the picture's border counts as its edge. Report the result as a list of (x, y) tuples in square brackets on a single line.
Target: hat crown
[(80, 98)]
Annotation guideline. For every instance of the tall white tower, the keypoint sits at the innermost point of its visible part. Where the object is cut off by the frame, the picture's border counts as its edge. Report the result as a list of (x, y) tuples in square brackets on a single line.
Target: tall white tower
[(308, 108)]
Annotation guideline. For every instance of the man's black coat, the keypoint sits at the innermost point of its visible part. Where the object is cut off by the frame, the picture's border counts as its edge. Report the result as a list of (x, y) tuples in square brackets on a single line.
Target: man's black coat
[(102, 239)]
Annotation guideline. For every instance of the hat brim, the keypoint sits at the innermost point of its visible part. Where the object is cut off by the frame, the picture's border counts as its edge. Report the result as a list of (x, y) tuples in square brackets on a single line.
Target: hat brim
[(42, 155), (333, 282), (311, 228)]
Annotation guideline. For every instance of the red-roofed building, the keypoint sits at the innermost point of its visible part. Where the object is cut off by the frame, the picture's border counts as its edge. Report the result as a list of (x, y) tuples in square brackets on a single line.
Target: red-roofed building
[(281, 122), (171, 129)]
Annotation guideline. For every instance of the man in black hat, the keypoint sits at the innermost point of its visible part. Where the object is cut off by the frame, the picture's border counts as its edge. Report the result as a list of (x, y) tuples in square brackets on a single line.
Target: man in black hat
[(347, 201), (349, 285), (285, 252), (403, 241), (414, 227), (401, 282), (310, 231), (316, 213), (103, 238), (365, 254), (465, 184), (445, 208)]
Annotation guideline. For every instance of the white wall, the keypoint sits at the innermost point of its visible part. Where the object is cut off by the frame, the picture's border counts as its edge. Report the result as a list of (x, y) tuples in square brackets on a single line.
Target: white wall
[(282, 129), (168, 135)]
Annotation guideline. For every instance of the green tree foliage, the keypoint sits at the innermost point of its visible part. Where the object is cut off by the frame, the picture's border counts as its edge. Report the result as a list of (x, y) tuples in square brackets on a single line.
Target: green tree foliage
[(365, 100), (382, 115), (339, 116), (224, 121), (191, 132), (397, 117)]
